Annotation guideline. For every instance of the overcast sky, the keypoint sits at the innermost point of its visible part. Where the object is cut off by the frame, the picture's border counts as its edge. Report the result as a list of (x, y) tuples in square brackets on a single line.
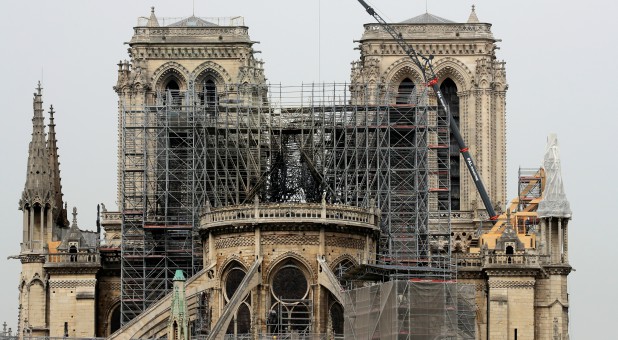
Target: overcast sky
[(561, 66)]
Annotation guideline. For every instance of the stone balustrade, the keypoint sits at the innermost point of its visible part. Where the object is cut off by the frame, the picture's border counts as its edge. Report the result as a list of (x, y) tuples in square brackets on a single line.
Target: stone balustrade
[(69, 258), (489, 260), (291, 212), (528, 260), (111, 216), (468, 260)]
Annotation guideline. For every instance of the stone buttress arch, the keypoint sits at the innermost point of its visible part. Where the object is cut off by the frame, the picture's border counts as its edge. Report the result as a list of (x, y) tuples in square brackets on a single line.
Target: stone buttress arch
[(304, 265), (228, 262), (165, 71), (115, 303), (453, 68), (398, 71), (210, 68), (335, 262)]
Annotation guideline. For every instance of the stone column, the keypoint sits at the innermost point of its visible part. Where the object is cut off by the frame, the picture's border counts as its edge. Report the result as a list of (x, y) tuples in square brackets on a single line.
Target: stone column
[(211, 249), (550, 245), (560, 258), (565, 237), (543, 237), (50, 225), (26, 227), (258, 242), (42, 226), (31, 229)]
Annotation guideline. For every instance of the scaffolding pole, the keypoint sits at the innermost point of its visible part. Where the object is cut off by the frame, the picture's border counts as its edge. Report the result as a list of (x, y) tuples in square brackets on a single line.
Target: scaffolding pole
[(346, 144)]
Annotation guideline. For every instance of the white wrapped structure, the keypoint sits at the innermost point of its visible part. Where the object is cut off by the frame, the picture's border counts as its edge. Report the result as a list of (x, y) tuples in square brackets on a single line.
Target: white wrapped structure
[(554, 202)]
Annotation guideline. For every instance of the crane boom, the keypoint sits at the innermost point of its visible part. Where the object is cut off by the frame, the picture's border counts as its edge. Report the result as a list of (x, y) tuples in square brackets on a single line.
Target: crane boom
[(431, 79)]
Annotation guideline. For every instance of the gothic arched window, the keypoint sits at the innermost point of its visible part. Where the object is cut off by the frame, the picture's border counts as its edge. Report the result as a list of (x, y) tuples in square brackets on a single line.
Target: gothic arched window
[(450, 158), (336, 318), (406, 93), (291, 304), (210, 93), (241, 322)]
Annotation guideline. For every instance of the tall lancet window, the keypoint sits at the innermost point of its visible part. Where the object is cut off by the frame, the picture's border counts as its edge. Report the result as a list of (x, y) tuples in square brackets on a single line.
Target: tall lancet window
[(210, 93), (406, 93), (172, 89), (449, 90)]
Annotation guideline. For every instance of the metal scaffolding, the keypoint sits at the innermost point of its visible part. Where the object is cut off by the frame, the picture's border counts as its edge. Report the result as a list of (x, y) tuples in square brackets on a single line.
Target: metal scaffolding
[(352, 145)]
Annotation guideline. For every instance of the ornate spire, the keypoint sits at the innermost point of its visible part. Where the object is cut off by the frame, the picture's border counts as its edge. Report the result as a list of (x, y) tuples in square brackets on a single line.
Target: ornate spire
[(38, 188), (74, 224), (473, 19), (152, 21), (54, 166), (554, 202), (74, 235), (178, 322)]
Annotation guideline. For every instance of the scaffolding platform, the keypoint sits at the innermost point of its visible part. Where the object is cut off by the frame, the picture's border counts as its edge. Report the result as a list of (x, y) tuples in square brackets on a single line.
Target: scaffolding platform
[(342, 144)]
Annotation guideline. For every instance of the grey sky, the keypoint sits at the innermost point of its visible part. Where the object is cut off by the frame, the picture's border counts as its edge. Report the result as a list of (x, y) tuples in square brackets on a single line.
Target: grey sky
[(561, 67)]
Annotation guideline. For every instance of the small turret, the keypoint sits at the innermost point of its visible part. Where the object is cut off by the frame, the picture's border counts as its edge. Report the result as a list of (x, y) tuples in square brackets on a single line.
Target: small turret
[(473, 19), (153, 21)]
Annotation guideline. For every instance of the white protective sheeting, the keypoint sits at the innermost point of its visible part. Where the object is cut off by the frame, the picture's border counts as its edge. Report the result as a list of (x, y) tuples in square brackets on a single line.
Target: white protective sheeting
[(554, 202)]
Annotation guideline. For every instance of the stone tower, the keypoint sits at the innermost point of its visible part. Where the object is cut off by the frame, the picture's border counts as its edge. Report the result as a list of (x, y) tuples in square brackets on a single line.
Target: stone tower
[(38, 204), (208, 61), (59, 265), (522, 266), (180, 71), (554, 212), (472, 80)]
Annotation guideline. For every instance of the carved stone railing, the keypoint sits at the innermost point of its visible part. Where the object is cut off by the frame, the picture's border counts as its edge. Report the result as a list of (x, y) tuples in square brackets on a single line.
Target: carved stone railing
[(493, 260), (468, 260), (406, 29), (62, 259), (291, 212), (454, 215), (109, 216), (527, 260)]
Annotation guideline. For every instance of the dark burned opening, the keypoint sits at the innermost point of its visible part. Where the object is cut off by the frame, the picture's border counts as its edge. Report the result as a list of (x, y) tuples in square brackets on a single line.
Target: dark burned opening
[(406, 93), (290, 283), (451, 157)]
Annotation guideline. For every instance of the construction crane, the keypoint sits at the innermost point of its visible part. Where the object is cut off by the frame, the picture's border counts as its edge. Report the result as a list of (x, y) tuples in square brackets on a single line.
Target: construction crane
[(431, 79)]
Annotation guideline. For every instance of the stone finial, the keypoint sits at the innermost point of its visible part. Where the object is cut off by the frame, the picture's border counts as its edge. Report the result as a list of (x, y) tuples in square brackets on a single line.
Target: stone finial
[(54, 164), (74, 215), (473, 19), (152, 21)]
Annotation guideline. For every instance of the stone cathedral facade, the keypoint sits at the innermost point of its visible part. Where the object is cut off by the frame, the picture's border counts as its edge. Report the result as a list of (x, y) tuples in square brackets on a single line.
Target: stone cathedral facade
[(258, 264)]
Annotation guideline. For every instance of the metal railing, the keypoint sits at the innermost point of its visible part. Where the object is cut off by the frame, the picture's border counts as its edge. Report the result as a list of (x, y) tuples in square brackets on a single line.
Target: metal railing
[(218, 21)]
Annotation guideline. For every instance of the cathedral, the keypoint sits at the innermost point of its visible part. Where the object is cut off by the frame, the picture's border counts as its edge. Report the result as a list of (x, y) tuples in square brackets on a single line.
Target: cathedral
[(321, 211)]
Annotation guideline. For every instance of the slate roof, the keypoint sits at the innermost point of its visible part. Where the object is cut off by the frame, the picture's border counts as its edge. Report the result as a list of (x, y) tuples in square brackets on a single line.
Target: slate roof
[(427, 18), (193, 21)]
